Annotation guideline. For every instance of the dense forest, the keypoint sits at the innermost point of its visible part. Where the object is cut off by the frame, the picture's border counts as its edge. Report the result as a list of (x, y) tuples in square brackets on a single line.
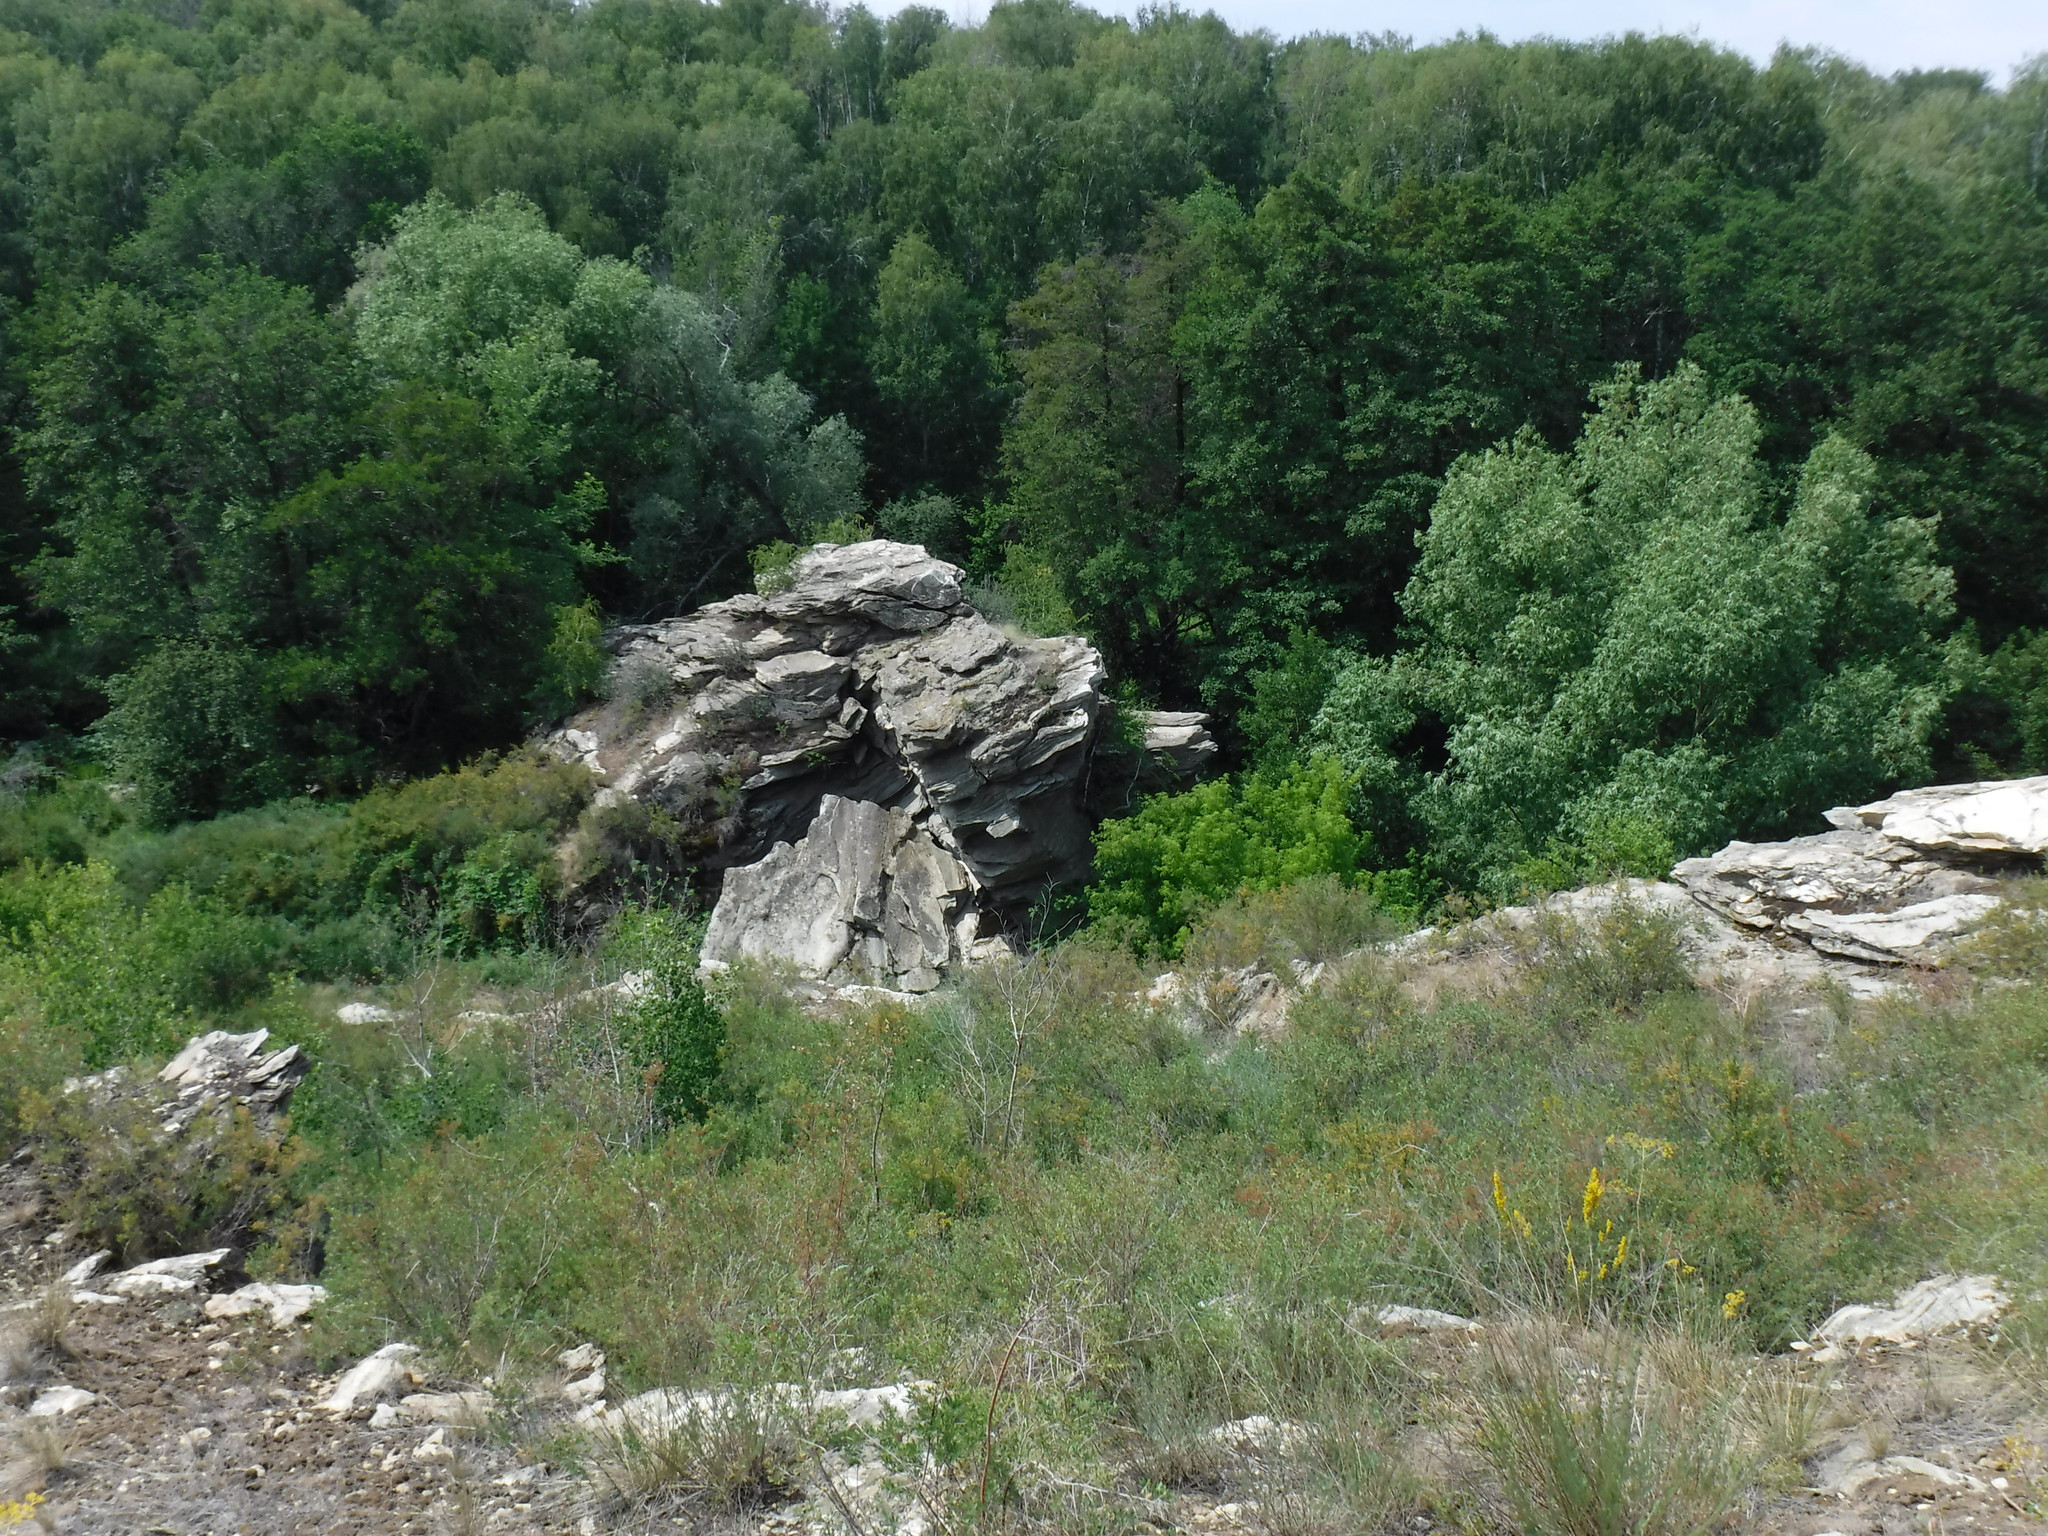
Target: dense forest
[(1610, 445)]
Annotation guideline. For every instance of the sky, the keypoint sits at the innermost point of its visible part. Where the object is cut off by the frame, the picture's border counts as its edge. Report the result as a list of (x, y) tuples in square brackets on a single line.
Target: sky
[(1995, 36)]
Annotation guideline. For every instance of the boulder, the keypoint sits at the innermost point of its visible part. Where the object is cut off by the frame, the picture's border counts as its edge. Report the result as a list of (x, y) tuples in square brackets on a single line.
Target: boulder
[(884, 779), (1178, 747), (2003, 818), (1759, 885), (179, 1276), (864, 897)]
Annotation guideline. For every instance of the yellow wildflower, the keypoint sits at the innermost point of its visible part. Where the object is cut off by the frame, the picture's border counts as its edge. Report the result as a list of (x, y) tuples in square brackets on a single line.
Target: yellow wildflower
[(1733, 1303), (1500, 1197), (1590, 1201)]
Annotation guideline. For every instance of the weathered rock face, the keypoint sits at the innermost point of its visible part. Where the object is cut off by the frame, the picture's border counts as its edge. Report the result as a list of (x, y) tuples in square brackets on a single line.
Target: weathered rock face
[(1896, 882), (884, 776), (865, 896)]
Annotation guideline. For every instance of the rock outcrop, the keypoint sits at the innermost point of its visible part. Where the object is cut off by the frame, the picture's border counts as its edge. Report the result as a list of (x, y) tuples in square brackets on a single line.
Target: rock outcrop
[(215, 1071), (886, 778), (1896, 882)]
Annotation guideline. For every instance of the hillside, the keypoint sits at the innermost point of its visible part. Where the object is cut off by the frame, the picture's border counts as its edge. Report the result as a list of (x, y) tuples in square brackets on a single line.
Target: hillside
[(831, 773)]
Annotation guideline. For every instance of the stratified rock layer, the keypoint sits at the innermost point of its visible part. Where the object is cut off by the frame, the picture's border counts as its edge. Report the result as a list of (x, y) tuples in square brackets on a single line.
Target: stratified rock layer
[(1896, 883), (886, 778)]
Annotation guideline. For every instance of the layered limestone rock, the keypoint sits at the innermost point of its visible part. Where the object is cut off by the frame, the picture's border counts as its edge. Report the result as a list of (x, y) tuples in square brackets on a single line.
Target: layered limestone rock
[(1896, 882), (885, 778)]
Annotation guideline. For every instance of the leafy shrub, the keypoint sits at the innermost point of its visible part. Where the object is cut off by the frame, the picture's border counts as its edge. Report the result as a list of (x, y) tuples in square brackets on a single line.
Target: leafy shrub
[(933, 520), (121, 977), (1306, 922), (57, 824), (459, 862), (1618, 957), (1157, 871), (1610, 847), (773, 565), (673, 1030), (573, 666), (2012, 942), (131, 1186), (191, 730)]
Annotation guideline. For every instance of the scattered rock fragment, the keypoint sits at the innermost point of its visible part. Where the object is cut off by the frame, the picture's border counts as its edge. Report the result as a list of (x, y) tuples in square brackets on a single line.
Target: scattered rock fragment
[(1396, 1321), (181, 1275), (463, 1410), (1858, 1474), (1260, 1435), (85, 1268), (585, 1363)]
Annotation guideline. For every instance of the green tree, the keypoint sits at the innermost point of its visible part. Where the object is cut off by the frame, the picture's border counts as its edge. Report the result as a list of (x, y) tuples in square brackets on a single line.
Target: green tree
[(1639, 630), (933, 367)]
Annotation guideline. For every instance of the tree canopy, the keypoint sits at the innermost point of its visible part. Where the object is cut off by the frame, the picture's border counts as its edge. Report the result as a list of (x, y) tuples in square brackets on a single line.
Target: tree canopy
[(360, 360)]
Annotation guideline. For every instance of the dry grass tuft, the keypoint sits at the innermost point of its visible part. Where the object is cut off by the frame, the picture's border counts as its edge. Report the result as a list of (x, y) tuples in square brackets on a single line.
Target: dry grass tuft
[(1597, 1431), (726, 1459)]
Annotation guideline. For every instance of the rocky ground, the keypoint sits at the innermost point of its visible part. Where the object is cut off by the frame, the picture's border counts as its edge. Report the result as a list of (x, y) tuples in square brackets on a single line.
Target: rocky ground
[(201, 1426)]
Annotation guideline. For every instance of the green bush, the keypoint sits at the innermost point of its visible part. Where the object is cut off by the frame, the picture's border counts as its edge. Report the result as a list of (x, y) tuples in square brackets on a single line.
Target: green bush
[(675, 1034), (120, 978), (1157, 871)]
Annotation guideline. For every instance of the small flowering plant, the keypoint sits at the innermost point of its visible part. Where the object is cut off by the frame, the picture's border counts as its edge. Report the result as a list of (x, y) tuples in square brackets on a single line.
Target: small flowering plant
[(1593, 1262)]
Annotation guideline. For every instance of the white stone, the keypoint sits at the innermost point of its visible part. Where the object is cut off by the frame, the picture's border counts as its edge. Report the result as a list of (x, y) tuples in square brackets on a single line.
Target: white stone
[(435, 1447), (583, 1389), (1859, 1473), (1943, 1304), (365, 1013), (866, 1407), (584, 1357), (54, 1402), (1922, 932), (386, 1416), (665, 1409), (1997, 817), (1399, 1320), (466, 1410), (85, 1268), (286, 1304), (179, 1276), (1260, 1435), (373, 1376)]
